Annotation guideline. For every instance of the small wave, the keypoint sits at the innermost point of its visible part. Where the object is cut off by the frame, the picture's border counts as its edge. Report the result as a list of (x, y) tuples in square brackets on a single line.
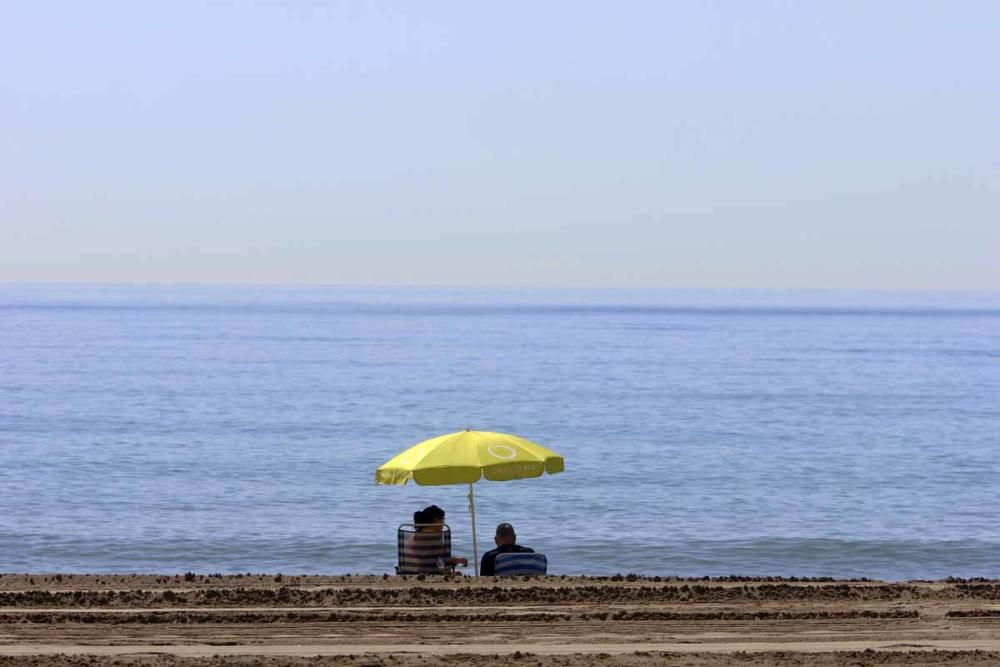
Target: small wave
[(890, 560), (818, 557)]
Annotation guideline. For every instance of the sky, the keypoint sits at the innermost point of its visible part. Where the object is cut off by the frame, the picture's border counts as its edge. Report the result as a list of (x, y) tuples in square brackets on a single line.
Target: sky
[(706, 144)]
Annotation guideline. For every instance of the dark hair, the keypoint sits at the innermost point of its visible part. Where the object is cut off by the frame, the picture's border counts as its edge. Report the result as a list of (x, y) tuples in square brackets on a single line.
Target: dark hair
[(419, 517), (432, 514)]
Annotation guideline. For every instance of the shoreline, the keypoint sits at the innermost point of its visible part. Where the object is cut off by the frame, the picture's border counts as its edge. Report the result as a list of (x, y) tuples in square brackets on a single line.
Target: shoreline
[(628, 620)]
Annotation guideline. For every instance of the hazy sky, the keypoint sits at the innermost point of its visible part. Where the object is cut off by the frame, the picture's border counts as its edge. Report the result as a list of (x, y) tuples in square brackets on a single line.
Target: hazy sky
[(715, 144)]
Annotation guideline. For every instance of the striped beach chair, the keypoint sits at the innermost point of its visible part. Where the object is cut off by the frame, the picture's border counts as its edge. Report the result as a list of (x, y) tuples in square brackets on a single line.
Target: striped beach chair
[(423, 552), (514, 564)]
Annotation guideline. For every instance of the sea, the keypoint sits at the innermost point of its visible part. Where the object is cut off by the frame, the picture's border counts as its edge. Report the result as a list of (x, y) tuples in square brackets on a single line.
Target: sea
[(229, 429)]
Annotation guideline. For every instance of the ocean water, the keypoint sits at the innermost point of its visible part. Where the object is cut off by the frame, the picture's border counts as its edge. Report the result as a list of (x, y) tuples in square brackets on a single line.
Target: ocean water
[(227, 429)]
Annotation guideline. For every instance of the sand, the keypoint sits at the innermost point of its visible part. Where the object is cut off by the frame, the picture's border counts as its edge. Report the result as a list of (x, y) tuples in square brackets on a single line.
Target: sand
[(631, 621)]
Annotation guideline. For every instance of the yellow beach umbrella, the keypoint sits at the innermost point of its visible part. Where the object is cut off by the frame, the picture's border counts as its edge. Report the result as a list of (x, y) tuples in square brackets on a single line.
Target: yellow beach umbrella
[(464, 458)]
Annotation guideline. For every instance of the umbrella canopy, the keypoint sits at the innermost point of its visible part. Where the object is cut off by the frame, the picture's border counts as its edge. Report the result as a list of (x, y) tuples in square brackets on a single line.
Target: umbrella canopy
[(464, 458)]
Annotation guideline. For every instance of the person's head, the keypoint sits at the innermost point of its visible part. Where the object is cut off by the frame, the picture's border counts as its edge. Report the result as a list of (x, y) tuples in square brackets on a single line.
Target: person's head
[(505, 535), (432, 517), (434, 514)]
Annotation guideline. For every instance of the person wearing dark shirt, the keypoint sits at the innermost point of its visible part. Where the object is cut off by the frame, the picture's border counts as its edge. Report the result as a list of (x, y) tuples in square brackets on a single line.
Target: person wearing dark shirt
[(506, 541)]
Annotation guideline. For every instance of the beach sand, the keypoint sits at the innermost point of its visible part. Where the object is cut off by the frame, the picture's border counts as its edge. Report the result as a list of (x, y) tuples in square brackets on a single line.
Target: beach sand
[(630, 621)]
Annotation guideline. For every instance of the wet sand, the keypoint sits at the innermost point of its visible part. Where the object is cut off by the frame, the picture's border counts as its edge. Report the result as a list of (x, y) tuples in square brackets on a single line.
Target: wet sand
[(213, 620)]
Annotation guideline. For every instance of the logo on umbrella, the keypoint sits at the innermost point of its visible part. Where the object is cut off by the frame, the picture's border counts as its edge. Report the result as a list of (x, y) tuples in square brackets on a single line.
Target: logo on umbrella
[(501, 452)]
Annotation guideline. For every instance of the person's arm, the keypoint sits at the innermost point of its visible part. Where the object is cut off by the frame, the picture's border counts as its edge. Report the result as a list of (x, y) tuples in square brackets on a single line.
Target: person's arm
[(487, 566)]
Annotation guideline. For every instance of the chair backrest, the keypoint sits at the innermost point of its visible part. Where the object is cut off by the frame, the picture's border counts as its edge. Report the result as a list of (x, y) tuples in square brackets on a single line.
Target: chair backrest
[(521, 563), (423, 552)]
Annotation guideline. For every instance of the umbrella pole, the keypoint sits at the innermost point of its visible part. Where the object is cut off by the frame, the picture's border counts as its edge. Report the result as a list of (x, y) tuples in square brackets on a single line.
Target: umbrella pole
[(475, 545)]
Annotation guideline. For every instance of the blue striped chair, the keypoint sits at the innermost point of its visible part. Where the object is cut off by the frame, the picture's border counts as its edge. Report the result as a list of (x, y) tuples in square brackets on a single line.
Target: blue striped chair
[(514, 564)]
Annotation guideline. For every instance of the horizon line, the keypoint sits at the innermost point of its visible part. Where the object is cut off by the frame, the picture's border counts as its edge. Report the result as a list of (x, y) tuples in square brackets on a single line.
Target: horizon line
[(512, 288)]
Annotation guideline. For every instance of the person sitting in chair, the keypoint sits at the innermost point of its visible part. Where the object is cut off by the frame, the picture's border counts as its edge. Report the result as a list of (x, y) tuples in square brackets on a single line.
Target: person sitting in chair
[(431, 520), (506, 540)]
